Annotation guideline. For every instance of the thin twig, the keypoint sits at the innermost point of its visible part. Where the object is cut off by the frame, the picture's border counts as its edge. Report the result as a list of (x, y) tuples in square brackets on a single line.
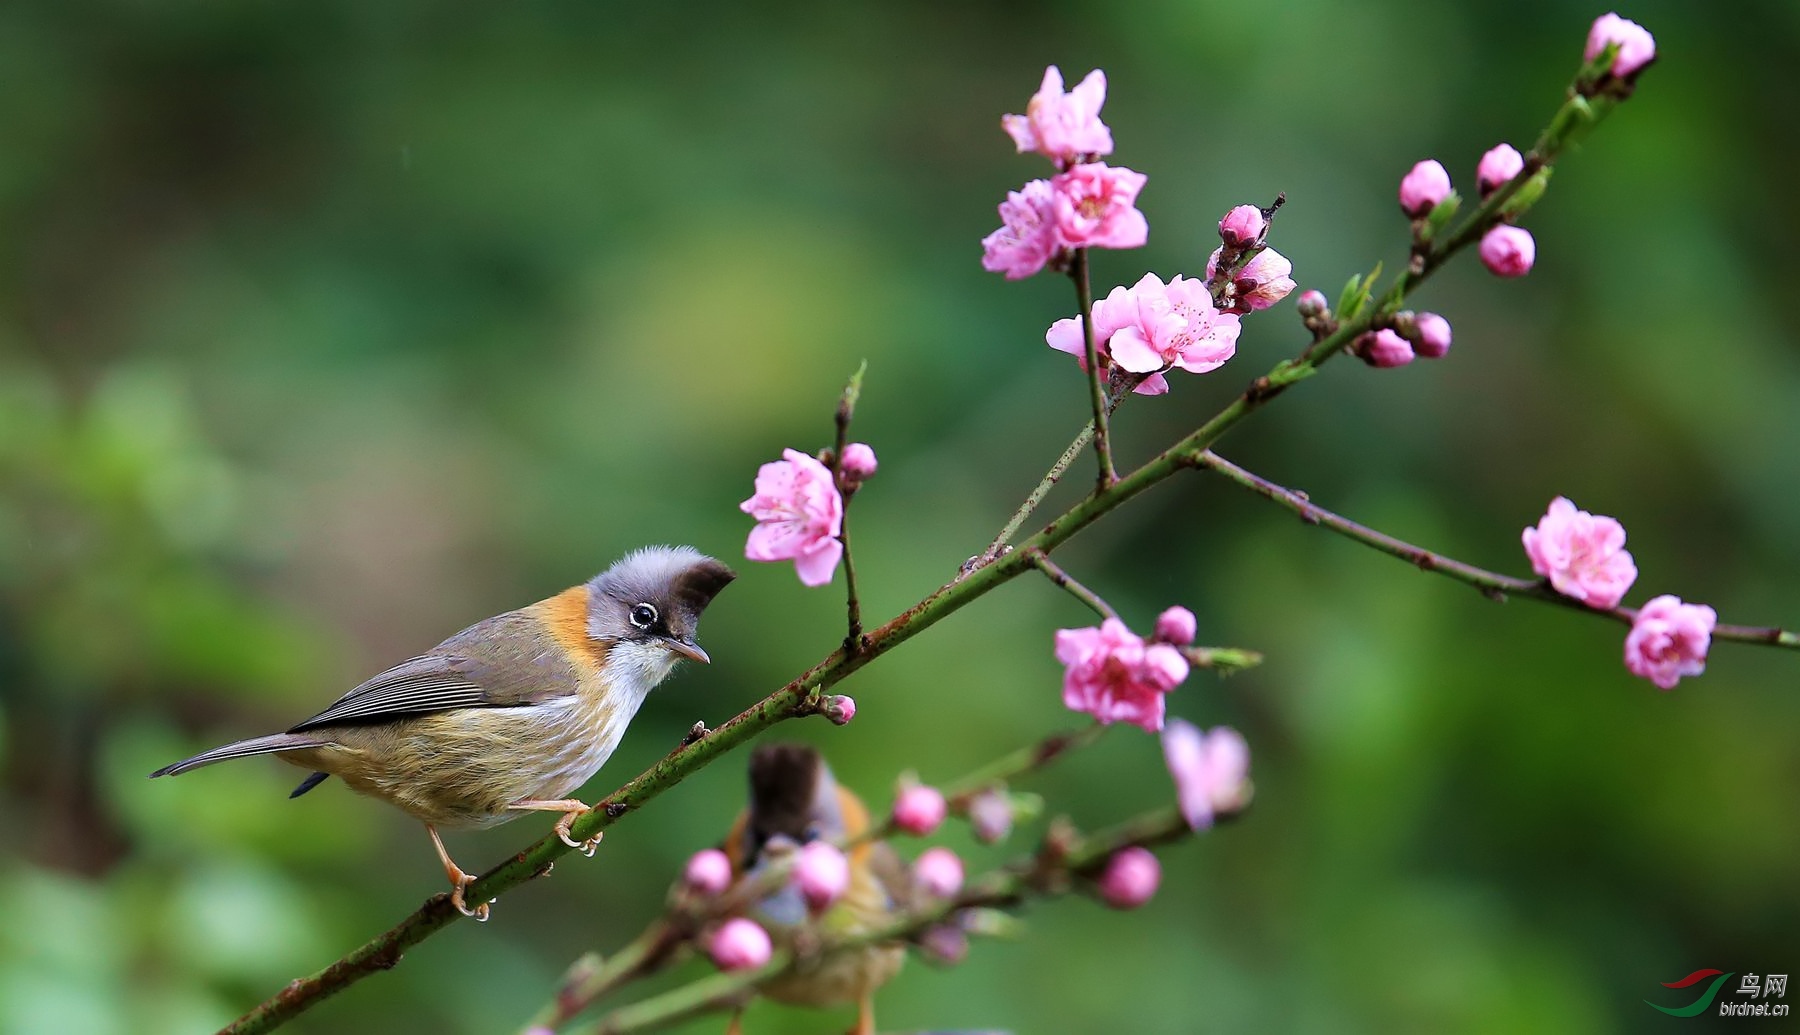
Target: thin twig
[(1067, 583), (1122, 386), (1492, 585), (846, 409), (1084, 295)]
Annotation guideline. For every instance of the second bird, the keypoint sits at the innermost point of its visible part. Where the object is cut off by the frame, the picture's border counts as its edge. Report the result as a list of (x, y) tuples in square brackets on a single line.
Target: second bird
[(514, 713)]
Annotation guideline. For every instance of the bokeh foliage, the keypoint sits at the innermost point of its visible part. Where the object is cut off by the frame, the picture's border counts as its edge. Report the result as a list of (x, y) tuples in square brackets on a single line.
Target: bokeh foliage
[(326, 329)]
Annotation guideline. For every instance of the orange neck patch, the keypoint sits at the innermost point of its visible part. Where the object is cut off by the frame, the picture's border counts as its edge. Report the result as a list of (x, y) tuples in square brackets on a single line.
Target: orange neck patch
[(565, 615)]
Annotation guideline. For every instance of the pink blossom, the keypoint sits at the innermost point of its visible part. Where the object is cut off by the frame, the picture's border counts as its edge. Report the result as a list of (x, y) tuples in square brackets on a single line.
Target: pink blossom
[(822, 874), (1498, 166), (1508, 251), (859, 460), (1113, 675), (798, 516), (1027, 237), (1152, 326), (991, 816), (708, 872), (1063, 126), (1423, 187), (1131, 877), (739, 944), (1636, 46), (1668, 640), (1264, 280), (938, 872), (1176, 626), (1432, 338), (1583, 555), (919, 809), (1096, 207), (1211, 770), (1242, 226), (840, 709), (1384, 348), (1177, 327), (1312, 303)]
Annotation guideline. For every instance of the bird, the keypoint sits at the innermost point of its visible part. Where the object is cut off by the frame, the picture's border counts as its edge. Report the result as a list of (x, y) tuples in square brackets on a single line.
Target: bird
[(512, 714), (794, 799)]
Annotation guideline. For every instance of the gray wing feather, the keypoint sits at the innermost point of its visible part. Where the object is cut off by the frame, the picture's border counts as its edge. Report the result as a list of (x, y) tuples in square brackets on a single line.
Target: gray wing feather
[(506, 661)]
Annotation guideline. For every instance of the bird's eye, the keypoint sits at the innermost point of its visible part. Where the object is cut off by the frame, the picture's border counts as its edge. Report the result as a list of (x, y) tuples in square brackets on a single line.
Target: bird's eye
[(811, 833), (643, 616)]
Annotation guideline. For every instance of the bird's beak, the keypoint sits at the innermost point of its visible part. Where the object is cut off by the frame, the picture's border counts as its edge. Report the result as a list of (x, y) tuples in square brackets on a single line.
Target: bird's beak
[(688, 649)]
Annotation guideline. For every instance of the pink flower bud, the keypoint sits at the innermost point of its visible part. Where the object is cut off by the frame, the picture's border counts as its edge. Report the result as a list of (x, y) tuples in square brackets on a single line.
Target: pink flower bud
[(822, 873), (708, 872), (1312, 303), (1131, 878), (1431, 335), (840, 709), (739, 944), (1265, 280), (1241, 226), (991, 816), (1423, 188), (1668, 640), (859, 460), (919, 809), (938, 872), (1499, 165), (1177, 626), (945, 943), (1384, 348), (1636, 46), (1508, 251)]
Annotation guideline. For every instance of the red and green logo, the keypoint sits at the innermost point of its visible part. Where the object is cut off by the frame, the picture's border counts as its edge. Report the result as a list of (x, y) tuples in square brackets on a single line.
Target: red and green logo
[(1699, 1005)]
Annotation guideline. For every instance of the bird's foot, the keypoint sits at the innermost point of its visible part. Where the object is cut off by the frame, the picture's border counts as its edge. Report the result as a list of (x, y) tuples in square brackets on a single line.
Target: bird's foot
[(564, 830), (480, 912)]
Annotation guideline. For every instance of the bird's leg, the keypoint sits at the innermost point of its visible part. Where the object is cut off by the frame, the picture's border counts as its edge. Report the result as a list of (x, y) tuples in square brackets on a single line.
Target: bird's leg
[(571, 809), (865, 1016), (458, 879)]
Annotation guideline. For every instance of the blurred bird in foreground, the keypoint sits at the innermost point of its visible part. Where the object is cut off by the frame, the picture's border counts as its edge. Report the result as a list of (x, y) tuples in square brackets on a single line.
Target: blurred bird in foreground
[(795, 800), (512, 714)]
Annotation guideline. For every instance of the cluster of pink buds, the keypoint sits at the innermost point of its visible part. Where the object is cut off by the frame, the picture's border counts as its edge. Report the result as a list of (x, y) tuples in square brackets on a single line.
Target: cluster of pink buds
[(1243, 273), (1087, 204), (1413, 335)]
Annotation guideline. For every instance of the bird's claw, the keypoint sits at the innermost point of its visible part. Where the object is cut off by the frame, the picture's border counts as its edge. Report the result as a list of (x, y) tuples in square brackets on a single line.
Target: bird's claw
[(480, 912), (564, 828)]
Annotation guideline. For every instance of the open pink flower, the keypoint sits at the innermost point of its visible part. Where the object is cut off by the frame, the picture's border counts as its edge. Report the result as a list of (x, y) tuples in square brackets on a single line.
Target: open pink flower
[(1177, 328), (1113, 675), (1096, 207), (1027, 237), (798, 516), (1118, 310), (1062, 125), (1582, 555), (1669, 639), (1211, 770)]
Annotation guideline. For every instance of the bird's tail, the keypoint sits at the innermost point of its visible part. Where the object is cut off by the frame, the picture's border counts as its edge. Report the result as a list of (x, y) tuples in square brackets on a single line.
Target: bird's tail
[(253, 746)]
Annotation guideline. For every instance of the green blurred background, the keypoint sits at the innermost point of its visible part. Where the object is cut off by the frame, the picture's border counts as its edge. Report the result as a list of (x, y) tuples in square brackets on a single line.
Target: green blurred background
[(326, 329)]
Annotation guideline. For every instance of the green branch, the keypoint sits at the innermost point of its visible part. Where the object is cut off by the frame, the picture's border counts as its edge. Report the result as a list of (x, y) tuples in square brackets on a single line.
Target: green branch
[(1492, 585)]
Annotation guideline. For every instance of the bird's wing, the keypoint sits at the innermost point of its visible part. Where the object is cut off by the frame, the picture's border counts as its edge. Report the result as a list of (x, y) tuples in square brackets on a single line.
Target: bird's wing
[(503, 662), (893, 876)]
